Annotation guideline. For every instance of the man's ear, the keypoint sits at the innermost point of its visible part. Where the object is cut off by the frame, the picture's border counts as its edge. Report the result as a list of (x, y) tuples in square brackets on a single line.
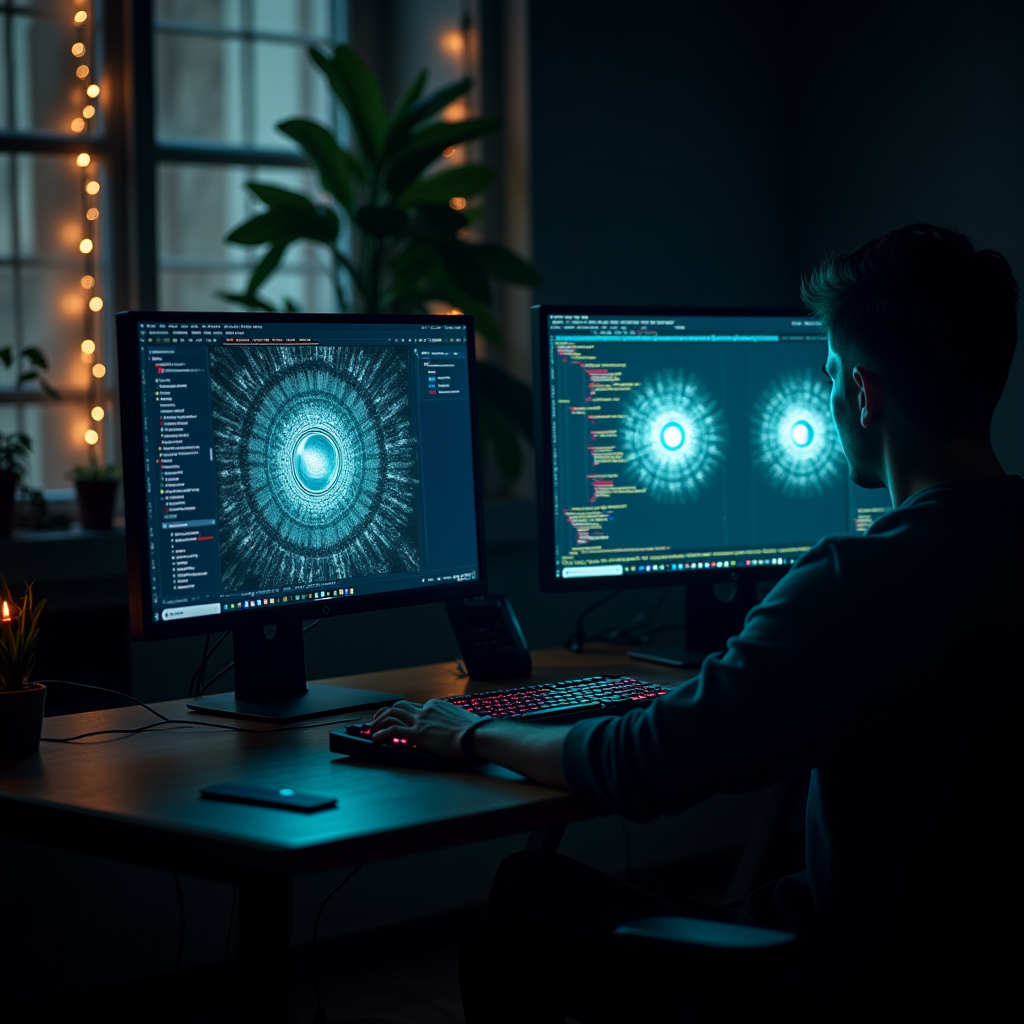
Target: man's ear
[(869, 393)]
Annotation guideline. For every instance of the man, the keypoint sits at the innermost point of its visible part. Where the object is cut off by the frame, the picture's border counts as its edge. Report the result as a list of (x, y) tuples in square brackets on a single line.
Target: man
[(886, 665)]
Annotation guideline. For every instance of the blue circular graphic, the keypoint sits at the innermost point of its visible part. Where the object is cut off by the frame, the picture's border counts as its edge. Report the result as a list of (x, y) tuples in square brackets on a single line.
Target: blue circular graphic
[(802, 433), (316, 461), (673, 437)]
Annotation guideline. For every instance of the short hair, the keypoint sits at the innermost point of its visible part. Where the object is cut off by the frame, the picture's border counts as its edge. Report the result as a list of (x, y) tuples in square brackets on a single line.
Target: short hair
[(915, 300)]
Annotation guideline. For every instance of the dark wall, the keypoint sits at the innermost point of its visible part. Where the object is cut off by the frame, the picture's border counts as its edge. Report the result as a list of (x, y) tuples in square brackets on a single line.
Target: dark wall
[(711, 153)]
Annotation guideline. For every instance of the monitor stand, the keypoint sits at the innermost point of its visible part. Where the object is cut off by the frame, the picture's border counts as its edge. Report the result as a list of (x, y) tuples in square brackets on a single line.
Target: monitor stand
[(714, 612), (270, 682)]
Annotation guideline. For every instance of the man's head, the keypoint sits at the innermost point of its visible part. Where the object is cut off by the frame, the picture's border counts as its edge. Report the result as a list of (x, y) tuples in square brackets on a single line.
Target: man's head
[(926, 322)]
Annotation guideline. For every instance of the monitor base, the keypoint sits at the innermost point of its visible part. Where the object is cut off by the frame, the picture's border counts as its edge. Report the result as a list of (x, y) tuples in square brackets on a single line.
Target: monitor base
[(677, 657), (316, 702)]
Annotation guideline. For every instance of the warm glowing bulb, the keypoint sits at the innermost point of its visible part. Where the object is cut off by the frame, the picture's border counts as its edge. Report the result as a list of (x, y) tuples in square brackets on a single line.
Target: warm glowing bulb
[(83, 160), (453, 42), (88, 346), (91, 437), (457, 202), (97, 413), (78, 125), (78, 49), (80, 17), (455, 311), (85, 245), (88, 111), (99, 370), (457, 110), (6, 612), (96, 304), (82, 71), (93, 91), (92, 213), (92, 187), (88, 281), (448, 151)]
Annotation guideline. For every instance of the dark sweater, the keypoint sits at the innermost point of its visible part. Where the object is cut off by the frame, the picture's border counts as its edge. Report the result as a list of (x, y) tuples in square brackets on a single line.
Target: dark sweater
[(881, 664)]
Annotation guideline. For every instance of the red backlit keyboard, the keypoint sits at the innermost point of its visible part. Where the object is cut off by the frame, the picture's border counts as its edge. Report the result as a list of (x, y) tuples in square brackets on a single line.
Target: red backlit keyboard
[(565, 701)]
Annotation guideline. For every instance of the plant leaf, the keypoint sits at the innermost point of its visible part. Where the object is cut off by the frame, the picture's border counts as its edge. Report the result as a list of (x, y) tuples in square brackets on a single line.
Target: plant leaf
[(264, 227), (34, 356), (337, 167), (280, 198), (408, 98), (380, 221), (506, 265), (266, 266), (248, 300), (439, 189), (354, 84), (429, 105), (426, 146)]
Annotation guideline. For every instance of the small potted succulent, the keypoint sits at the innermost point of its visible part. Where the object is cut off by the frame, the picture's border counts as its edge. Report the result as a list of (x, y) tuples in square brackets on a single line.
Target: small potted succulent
[(96, 487), (21, 700)]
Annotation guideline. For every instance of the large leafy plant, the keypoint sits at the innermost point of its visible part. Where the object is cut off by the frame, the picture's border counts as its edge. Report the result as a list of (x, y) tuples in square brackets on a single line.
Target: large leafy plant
[(408, 224)]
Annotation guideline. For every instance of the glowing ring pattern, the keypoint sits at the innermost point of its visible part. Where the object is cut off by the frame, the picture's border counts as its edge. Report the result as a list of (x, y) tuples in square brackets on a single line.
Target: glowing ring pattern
[(795, 444), (316, 466), (673, 436)]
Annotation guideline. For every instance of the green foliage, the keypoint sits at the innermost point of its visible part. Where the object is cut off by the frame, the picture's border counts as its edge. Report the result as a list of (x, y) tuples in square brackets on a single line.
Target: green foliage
[(94, 472), (18, 637), (15, 448), (408, 244), (14, 452)]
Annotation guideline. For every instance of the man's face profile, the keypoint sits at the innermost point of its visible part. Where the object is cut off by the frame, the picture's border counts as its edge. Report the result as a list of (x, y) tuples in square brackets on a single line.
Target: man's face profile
[(855, 440)]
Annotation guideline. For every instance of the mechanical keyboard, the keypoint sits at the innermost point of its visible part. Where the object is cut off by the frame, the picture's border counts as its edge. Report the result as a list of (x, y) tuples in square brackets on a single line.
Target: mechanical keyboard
[(566, 701)]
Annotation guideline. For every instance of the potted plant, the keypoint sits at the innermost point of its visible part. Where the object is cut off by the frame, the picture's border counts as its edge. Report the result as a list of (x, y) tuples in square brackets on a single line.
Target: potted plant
[(21, 701), (408, 227), (96, 489), (15, 448)]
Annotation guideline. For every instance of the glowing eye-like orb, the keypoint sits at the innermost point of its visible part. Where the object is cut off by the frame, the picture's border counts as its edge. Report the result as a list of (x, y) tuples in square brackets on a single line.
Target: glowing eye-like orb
[(802, 433), (673, 436), (316, 461), (316, 464), (794, 443)]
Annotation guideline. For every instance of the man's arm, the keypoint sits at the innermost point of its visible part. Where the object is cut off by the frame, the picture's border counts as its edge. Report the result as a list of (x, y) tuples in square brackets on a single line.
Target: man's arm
[(439, 728)]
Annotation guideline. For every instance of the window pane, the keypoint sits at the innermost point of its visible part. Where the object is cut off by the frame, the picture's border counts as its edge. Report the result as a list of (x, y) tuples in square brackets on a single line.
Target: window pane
[(224, 13), (199, 290), (57, 431), (197, 205), (6, 218), (286, 85), (297, 17), (198, 89), (47, 95), (51, 206)]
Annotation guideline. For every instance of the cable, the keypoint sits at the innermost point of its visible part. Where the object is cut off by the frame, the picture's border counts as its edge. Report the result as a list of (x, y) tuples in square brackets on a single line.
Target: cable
[(319, 1014), (200, 673), (577, 639), (626, 634), (164, 720)]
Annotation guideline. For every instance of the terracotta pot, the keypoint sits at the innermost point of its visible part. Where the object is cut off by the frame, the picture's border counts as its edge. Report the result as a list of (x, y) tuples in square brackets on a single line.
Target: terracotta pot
[(96, 503), (21, 722), (8, 485)]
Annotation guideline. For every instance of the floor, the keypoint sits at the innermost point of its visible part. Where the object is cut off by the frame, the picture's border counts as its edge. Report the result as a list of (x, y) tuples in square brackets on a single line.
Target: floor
[(392, 976)]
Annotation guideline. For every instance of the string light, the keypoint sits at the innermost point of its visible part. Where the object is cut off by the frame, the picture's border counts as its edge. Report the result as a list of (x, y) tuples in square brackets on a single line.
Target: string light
[(88, 346), (82, 71), (80, 17), (457, 202), (92, 213), (91, 187), (88, 281), (96, 304), (93, 91), (83, 160), (448, 151), (78, 125), (97, 413), (99, 370), (88, 111), (78, 49), (85, 245), (91, 437)]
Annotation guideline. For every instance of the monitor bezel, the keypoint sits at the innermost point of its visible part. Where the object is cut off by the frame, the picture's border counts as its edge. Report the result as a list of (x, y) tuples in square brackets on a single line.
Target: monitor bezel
[(549, 582), (139, 582)]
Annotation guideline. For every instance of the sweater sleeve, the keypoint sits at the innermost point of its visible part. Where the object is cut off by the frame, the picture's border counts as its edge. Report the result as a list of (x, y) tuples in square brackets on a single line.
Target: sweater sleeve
[(772, 704)]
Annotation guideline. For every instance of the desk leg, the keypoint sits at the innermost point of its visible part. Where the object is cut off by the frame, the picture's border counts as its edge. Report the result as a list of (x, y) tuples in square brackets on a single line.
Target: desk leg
[(264, 941)]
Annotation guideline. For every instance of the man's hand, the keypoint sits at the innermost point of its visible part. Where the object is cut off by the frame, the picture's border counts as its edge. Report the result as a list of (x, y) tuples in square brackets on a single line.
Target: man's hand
[(435, 727)]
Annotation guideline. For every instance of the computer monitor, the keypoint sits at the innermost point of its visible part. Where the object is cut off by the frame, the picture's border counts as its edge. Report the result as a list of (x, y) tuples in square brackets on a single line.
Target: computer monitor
[(285, 467), (686, 445)]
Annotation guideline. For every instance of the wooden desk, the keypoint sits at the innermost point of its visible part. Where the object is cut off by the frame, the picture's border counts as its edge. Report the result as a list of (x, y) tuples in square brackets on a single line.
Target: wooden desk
[(136, 798)]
